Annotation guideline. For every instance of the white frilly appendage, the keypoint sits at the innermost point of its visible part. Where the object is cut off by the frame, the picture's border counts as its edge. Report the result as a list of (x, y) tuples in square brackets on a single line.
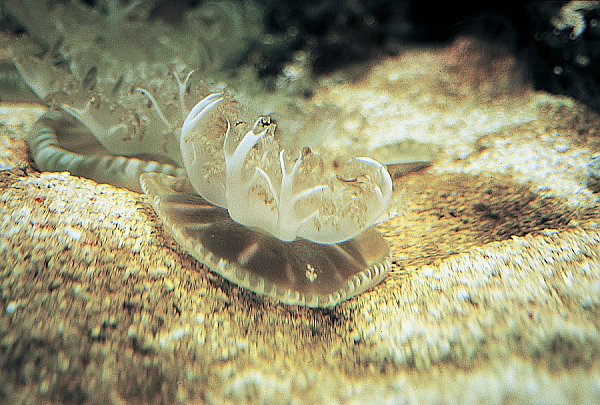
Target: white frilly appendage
[(202, 151), (287, 196)]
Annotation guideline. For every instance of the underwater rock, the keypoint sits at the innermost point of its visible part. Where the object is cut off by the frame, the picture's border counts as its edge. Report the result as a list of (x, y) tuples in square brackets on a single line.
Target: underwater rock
[(492, 295)]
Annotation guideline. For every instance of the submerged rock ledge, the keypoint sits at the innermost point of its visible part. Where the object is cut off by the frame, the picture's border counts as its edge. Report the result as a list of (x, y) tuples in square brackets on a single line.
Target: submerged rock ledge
[(494, 293)]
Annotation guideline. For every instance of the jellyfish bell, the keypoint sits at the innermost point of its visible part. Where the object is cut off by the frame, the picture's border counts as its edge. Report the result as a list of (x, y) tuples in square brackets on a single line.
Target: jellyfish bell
[(298, 272)]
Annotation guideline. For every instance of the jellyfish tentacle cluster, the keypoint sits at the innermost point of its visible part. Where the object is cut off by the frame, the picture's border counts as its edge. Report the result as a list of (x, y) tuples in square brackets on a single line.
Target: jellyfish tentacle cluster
[(289, 197)]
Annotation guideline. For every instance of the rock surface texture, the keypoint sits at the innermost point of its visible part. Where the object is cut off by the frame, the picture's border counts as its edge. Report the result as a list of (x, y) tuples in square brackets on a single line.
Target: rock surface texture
[(494, 294)]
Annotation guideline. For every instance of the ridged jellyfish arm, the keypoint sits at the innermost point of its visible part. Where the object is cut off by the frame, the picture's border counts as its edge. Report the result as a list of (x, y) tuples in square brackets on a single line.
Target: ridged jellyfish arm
[(289, 195)]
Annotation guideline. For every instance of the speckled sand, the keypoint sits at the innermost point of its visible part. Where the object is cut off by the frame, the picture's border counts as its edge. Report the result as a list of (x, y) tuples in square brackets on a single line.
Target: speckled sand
[(494, 295)]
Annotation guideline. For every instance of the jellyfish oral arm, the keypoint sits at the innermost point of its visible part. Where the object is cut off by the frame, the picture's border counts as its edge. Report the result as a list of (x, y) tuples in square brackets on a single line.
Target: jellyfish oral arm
[(284, 224), (263, 187)]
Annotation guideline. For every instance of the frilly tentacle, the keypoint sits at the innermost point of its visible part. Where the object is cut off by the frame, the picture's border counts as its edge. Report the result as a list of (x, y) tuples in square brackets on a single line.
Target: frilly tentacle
[(264, 187)]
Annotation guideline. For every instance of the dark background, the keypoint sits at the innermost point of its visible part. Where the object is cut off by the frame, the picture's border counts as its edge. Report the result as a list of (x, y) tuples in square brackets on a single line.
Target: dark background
[(335, 33)]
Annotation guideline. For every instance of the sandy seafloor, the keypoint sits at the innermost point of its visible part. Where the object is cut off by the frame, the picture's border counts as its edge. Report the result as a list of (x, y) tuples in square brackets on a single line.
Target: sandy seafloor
[(494, 295)]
